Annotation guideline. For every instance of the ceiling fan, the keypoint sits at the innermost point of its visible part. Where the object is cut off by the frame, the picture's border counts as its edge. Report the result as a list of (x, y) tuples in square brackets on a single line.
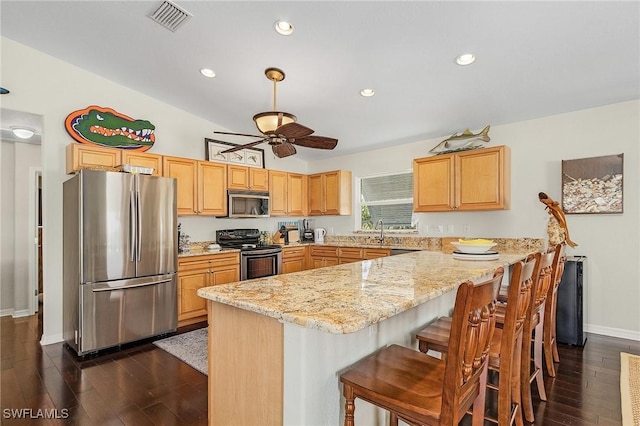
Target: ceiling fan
[(280, 130)]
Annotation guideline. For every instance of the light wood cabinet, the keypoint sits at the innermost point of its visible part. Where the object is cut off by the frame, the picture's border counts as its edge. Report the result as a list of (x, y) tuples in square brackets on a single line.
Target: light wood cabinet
[(196, 272), (356, 254), (81, 156), (143, 159), (469, 180), (321, 256), (294, 259), (287, 193), (201, 186), (247, 178), (330, 193)]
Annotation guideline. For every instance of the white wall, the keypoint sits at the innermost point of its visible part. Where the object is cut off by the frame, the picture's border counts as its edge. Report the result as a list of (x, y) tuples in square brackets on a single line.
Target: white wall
[(7, 191), (610, 242)]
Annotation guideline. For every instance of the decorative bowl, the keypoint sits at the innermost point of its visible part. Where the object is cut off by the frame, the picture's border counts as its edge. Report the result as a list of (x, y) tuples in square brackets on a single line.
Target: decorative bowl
[(473, 248)]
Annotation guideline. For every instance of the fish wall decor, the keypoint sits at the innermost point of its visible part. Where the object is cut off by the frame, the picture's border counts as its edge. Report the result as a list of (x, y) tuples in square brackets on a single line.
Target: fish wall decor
[(95, 125), (462, 141)]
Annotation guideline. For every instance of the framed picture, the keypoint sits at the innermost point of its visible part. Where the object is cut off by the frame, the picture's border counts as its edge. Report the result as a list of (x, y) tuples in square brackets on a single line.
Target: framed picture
[(592, 185), (252, 157)]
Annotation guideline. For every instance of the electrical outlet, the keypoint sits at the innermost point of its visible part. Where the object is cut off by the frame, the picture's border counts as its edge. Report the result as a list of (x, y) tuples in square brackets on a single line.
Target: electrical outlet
[(466, 229), (438, 229), (450, 229)]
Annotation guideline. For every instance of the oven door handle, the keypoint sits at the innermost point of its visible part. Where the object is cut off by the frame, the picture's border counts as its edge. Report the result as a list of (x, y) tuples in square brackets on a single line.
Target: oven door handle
[(261, 253)]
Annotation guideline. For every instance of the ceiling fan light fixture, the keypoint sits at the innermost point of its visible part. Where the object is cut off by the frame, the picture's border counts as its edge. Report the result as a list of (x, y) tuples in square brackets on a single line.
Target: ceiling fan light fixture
[(283, 28), (367, 93), (267, 122), (23, 132)]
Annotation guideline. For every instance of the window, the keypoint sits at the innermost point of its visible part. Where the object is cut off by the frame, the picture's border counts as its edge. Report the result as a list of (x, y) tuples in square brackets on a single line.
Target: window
[(388, 197)]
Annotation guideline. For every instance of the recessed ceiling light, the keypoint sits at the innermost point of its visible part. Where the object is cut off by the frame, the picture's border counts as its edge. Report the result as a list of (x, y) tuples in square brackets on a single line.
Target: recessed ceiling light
[(367, 92), (22, 132), (207, 72), (283, 27), (465, 59)]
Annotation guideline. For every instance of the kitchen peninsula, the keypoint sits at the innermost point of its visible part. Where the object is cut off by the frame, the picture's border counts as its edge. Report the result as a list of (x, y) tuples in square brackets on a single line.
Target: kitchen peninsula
[(278, 344)]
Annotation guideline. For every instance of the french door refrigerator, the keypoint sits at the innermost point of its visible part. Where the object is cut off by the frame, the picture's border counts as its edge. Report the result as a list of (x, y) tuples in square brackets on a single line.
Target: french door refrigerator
[(119, 259)]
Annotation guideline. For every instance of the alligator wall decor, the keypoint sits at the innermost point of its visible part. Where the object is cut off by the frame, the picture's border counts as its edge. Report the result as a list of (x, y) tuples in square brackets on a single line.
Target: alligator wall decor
[(106, 127)]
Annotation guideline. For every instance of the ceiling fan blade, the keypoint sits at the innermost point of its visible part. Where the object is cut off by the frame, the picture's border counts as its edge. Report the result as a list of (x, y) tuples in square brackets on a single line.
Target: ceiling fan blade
[(319, 142), (285, 149), (293, 130), (246, 145), (240, 134)]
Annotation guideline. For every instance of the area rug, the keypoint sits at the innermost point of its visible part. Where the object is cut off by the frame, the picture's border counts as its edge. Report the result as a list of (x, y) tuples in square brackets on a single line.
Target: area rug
[(630, 389), (189, 347)]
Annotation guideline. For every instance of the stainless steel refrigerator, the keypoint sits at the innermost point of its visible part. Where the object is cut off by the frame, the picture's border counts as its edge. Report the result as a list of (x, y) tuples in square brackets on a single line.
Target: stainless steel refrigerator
[(119, 259)]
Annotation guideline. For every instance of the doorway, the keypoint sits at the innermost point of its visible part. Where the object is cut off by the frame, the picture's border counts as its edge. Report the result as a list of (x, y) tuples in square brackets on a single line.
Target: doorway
[(36, 236)]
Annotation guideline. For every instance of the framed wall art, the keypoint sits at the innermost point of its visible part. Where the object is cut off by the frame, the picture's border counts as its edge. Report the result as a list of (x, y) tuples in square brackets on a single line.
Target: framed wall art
[(593, 185), (252, 157)]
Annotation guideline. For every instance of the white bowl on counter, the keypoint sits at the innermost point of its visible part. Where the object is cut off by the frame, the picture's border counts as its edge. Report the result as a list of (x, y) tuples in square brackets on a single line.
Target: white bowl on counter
[(473, 248)]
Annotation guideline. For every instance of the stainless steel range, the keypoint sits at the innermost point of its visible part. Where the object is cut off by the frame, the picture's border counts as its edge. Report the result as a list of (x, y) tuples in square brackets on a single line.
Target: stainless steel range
[(256, 260)]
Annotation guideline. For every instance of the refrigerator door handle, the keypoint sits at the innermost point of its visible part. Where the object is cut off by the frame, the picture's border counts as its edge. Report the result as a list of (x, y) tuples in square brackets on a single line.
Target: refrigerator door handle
[(138, 226), (96, 290), (132, 224)]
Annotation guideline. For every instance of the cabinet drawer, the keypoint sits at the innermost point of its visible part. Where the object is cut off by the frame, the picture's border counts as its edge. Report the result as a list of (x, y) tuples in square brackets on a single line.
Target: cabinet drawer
[(375, 253), (292, 252), (208, 261), (324, 251), (350, 252)]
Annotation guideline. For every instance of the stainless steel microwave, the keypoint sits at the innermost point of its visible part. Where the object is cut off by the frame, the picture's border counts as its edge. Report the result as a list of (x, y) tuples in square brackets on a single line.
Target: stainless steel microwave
[(248, 204)]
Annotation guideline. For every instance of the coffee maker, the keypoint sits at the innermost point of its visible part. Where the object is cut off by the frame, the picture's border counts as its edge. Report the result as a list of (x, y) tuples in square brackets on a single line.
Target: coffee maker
[(307, 232)]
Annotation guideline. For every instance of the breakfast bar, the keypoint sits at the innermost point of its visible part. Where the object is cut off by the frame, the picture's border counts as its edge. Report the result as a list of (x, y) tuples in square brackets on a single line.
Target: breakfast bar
[(277, 345)]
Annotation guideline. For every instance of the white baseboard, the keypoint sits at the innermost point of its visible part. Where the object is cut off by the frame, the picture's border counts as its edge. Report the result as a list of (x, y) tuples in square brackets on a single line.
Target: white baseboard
[(6, 312), (613, 332), (54, 338), (22, 313)]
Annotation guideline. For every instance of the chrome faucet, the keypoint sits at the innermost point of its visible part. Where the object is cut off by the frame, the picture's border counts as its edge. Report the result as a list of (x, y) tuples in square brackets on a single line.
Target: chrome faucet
[(381, 223)]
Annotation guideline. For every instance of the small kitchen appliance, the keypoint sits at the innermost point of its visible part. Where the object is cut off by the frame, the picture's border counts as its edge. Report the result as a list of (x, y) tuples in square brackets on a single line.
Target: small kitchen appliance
[(307, 233), (319, 234)]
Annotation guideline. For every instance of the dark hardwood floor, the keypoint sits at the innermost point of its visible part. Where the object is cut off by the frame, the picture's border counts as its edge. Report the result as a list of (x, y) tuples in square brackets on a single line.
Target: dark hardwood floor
[(141, 384)]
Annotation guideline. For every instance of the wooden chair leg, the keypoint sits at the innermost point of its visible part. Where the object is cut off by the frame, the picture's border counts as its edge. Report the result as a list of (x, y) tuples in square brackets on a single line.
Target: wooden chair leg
[(516, 391), (549, 355), (479, 403), (537, 359), (349, 406)]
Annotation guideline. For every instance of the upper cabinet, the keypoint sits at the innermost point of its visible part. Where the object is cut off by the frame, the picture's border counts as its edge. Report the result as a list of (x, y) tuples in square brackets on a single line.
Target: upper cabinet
[(247, 178), (330, 193), (82, 156), (469, 180), (201, 185), (143, 159), (287, 193)]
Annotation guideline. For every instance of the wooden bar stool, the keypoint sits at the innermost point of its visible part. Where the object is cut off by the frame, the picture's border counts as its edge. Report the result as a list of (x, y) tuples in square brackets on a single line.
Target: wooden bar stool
[(506, 345), (424, 390), (549, 334)]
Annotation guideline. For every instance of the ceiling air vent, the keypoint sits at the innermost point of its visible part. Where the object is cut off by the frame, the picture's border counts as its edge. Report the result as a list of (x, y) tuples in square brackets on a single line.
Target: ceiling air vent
[(170, 15)]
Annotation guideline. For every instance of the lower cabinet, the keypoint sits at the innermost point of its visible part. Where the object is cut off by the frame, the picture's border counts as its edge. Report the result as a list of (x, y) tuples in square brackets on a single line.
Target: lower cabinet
[(321, 256), (196, 272), (294, 259)]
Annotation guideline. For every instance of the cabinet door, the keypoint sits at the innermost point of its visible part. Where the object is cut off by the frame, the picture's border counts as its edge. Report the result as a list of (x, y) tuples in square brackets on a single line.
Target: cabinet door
[(185, 172), (293, 265), (225, 275), (316, 195), (144, 160), (191, 305), (81, 156), (238, 177), (433, 184), (296, 194), (278, 193), (258, 179), (212, 188), (332, 193), (482, 179)]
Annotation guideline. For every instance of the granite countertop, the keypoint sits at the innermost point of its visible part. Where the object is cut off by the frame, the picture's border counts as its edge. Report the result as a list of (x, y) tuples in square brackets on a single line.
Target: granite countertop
[(346, 298), (202, 252)]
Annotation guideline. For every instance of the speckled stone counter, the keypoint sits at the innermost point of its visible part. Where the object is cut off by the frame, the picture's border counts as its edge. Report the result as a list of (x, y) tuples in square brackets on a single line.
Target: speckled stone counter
[(277, 345), (350, 297)]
